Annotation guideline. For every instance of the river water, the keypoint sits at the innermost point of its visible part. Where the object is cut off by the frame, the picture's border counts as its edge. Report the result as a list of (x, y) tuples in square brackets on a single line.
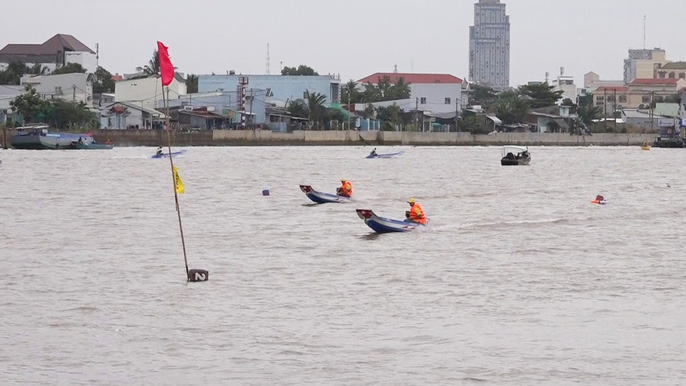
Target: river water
[(518, 279)]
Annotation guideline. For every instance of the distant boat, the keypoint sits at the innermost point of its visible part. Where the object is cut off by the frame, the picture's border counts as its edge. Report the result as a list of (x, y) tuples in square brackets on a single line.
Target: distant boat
[(38, 137), (515, 155), (387, 155), (164, 155)]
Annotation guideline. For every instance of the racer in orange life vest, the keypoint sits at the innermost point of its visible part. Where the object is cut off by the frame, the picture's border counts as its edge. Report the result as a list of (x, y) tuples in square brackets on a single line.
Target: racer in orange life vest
[(346, 188), (415, 213)]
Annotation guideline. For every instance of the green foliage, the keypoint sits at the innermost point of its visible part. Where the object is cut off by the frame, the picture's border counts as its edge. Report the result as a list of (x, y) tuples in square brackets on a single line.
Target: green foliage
[(30, 104), (349, 91), (298, 108), (67, 114), (58, 112), (153, 66), (390, 114), (315, 105), (385, 91), (540, 95), (483, 96), (103, 81), (572, 106), (302, 70), (587, 112), (13, 73), (511, 108), (70, 68), (192, 83)]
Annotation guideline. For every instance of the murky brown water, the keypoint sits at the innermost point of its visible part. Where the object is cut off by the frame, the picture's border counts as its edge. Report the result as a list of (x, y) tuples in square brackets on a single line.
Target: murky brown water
[(517, 280)]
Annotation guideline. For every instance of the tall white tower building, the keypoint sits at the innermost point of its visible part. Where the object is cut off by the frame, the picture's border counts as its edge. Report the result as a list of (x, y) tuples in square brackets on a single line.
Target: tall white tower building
[(489, 45)]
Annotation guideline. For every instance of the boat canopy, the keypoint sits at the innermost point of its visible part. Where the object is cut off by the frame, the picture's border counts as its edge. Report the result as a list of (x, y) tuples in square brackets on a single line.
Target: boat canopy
[(514, 149)]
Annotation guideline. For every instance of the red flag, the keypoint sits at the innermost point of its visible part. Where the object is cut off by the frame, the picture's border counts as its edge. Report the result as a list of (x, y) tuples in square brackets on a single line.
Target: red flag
[(166, 66)]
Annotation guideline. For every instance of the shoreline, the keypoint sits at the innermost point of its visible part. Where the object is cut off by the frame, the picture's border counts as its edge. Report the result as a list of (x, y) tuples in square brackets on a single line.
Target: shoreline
[(127, 138)]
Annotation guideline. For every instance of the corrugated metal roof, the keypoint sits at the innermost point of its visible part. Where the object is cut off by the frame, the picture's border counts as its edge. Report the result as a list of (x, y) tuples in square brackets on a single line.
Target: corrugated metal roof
[(649, 81)]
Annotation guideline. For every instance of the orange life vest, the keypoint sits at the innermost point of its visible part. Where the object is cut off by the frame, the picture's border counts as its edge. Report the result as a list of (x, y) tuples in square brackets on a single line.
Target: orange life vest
[(417, 214), (346, 189)]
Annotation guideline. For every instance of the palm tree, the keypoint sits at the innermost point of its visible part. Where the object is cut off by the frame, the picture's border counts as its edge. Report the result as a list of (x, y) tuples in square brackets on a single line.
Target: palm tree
[(192, 83), (153, 66), (511, 107), (315, 104)]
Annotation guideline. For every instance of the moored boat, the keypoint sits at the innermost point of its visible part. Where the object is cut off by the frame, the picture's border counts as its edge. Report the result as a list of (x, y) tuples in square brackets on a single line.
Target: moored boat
[(38, 137), (386, 225), (322, 198), (515, 155)]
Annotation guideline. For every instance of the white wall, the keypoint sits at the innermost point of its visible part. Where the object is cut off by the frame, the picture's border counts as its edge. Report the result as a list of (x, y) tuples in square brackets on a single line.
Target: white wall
[(85, 59), (72, 87), (146, 91), (435, 95)]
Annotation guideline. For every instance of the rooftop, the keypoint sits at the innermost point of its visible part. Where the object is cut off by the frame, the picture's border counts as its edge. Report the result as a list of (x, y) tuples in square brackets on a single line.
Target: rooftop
[(412, 78), (59, 42)]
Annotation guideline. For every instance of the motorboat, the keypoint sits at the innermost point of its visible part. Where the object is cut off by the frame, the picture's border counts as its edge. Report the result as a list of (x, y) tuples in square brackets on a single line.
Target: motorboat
[(515, 155), (322, 198), (38, 137), (386, 225)]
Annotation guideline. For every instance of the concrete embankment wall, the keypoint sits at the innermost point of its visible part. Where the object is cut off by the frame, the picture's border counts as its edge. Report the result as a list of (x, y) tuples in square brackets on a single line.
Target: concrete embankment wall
[(346, 137)]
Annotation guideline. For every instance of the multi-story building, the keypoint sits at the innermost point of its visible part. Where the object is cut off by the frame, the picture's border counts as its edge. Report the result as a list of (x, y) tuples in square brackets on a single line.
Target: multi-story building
[(75, 87), (489, 45), (673, 70), (146, 92), (54, 53), (643, 64), (264, 91), (431, 93)]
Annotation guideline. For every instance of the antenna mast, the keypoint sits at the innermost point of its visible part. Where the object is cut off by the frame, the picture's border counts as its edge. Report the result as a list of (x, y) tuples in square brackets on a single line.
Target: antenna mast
[(97, 55), (644, 32), (267, 58)]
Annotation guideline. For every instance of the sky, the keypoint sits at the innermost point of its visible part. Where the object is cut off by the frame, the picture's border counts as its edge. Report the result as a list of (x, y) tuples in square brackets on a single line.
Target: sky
[(352, 38)]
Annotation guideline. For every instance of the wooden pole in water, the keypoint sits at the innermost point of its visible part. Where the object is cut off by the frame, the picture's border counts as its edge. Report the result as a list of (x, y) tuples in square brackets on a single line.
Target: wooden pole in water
[(171, 163)]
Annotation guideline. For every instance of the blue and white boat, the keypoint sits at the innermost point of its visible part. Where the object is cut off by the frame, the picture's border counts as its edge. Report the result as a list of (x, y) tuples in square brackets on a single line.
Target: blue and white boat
[(322, 198), (174, 153), (386, 225)]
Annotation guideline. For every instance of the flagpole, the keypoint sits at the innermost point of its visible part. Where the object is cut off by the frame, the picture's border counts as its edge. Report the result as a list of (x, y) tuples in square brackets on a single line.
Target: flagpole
[(167, 76), (171, 163)]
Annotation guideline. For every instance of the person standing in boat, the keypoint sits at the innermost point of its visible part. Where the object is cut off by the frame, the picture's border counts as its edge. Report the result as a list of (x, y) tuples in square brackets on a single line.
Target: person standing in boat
[(415, 213), (346, 188), (159, 150), (373, 153)]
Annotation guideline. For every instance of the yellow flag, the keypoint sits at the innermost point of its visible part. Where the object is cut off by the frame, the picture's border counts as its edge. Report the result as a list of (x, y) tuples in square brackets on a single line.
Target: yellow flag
[(177, 181)]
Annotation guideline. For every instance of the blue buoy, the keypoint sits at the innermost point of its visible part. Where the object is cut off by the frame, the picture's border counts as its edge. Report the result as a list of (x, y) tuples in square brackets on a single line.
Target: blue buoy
[(265, 192)]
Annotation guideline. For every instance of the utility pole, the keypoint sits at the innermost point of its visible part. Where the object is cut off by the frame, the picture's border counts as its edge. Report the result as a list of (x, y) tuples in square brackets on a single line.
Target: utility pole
[(605, 109), (349, 110), (252, 122), (651, 110), (416, 111), (614, 108), (457, 102)]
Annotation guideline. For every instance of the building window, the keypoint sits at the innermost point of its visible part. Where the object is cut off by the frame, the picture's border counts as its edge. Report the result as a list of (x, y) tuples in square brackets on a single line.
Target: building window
[(662, 75), (622, 99), (645, 99), (422, 100), (682, 75), (671, 75), (447, 101), (600, 99)]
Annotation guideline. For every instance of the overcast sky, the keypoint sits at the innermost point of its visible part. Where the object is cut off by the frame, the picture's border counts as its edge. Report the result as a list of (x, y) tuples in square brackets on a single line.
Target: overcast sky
[(353, 38)]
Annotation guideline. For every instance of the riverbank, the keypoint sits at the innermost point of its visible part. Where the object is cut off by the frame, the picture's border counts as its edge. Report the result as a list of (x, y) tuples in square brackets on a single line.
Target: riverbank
[(354, 137)]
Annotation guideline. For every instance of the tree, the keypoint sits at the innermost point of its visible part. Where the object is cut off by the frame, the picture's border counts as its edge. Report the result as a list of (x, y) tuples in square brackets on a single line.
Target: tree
[(13, 73), (391, 115), (297, 108), (30, 104), (352, 92), (70, 68), (483, 96), (301, 70), (69, 114), (103, 81), (315, 105), (587, 113), (541, 95), (511, 108), (192, 83), (37, 69), (153, 66), (572, 106)]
